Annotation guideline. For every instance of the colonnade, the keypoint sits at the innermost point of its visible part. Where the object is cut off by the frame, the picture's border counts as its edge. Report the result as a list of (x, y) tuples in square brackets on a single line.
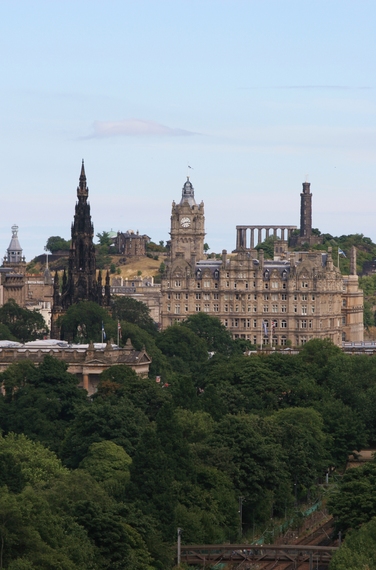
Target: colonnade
[(245, 235)]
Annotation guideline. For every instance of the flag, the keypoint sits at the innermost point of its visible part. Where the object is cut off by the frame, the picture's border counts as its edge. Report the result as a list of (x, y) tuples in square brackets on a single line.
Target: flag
[(119, 329), (103, 332), (340, 252), (265, 327)]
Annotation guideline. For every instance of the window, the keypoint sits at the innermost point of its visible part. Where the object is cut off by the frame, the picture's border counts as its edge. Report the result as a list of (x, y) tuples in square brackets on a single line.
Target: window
[(310, 323), (207, 284), (177, 295), (198, 295), (304, 284), (168, 295), (168, 308), (283, 340), (304, 297), (228, 274), (283, 324), (186, 308), (177, 283), (227, 283), (249, 308), (177, 309), (274, 308), (198, 285), (186, 296), (304, 309), (344, 302), (216, 307), (255, 309), (207, 308), (235, 322), (206, 296), (225, 322), (284, 297), (266, 285), (246, 285), (237, 296), (313, 297), (313, 309), (283, 285), (234, 285), (215, 285), (255, 323), (295, 309), (215, 295), (266, 309), (275, 297), (255, 297), (303, 324), (248, 323), (295, 297), (266, 297), (274, 284), (226, 308), (236, 308), (198, 308), (343, 320), (283, 309)]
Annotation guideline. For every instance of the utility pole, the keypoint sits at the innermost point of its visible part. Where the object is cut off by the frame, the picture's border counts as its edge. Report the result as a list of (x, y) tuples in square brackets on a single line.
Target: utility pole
[(179, 545), (241, 517)]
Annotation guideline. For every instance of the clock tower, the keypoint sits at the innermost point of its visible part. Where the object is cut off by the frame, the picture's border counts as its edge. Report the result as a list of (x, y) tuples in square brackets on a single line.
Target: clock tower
[(187, 226)]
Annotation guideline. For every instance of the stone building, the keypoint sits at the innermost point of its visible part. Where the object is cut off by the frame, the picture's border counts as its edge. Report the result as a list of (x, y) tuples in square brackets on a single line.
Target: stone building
[(289, 300), (30, 291), (82, 282), (131, 244)]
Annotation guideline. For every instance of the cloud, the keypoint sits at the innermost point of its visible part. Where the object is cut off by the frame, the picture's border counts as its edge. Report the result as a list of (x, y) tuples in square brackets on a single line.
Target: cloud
[(135, 128)]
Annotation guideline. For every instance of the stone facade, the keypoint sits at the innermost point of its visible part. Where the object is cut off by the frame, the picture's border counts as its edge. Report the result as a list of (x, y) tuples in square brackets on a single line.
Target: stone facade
[(87, 362), (131, 244), (286, 301)]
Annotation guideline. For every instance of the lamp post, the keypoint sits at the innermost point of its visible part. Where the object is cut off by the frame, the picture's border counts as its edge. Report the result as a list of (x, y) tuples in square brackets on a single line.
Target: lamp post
[(241, 517)]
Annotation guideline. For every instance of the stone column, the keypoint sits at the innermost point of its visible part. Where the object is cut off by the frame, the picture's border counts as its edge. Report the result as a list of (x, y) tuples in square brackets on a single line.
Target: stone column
[(267, 232), (252, 239), (85, 381), (238, 238), (259, 236), (283, 234), (275, 232)]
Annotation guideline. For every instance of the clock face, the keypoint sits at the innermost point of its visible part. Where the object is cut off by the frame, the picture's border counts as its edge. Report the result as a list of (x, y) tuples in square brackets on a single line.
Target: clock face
[(185, 222)]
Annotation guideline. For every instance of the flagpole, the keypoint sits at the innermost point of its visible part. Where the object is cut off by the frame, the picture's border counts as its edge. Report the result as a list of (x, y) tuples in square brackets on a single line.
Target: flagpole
[(118, 335)]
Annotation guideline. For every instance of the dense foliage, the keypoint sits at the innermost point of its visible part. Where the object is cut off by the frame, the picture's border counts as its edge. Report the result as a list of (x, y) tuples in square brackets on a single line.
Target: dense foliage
[(104, 482)]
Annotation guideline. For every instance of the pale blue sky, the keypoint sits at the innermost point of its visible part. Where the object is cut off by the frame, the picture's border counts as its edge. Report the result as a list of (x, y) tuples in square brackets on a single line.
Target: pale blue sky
[(254, 95)]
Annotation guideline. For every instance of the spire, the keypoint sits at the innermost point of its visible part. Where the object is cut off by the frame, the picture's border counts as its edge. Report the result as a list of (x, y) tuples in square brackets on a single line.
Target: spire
[(14, 251), (82, 189)]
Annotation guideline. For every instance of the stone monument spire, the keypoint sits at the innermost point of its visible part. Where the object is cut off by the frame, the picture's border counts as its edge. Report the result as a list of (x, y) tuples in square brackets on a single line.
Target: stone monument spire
[(306, 211)]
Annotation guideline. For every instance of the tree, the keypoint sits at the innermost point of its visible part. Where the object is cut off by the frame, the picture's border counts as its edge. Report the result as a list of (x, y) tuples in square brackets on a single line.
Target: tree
[(83, 323), (136, 312), (353, 502), (358, 551), (44, 405), (104, 239), (212, 331), (186, 351), (23, 324), (57, 243)]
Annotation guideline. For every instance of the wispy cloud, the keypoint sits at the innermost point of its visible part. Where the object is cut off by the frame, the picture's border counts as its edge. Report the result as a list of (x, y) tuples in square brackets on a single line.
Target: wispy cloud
[(135, 128), (314, 87)]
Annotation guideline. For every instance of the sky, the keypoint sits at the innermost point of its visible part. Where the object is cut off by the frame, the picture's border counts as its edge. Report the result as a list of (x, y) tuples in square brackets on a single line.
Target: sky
[(255, 96)]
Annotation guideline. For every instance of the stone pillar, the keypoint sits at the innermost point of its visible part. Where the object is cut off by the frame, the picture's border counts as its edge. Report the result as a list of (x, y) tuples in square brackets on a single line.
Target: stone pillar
[(252, 239), (259, 236), (85, 381), (238, 238), (245, 238), (353, 261), (283, 234), (267, 232), (275, 233)]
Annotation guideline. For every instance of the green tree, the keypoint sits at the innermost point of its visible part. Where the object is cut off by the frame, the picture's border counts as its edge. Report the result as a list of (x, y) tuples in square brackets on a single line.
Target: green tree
[(353, 502), (43, 407), (212, 331), (23, 324), (104, 239), (186, 351), (135, 312), (358, 551), (57, 243), (83, 323)]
